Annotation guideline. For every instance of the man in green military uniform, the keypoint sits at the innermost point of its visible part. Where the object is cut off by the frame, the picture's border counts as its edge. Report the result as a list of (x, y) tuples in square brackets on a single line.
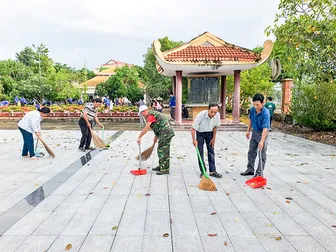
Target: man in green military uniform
[(163, 132), (271, 108)]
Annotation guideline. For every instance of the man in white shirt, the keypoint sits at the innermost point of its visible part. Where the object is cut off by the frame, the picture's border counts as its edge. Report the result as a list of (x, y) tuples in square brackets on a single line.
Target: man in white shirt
[(204, 129)]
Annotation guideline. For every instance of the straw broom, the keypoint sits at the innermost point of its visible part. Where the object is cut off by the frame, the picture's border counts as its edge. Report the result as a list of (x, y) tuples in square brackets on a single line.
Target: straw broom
[(99, 143), (146, 153), (206, 183), (50, 152)]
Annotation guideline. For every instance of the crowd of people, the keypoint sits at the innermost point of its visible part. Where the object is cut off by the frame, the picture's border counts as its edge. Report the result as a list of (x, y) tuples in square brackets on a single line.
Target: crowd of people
[(204, 131)]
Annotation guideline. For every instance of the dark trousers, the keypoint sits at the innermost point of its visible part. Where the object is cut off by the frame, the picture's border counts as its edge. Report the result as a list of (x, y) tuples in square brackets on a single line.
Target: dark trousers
[(253, 152), (172, 112), (207, 137), (86, 133), (271, 118), (28, 143)]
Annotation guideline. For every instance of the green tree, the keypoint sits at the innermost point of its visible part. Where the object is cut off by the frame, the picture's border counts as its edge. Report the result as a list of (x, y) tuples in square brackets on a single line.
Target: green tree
[(306, 45), (157, 84)]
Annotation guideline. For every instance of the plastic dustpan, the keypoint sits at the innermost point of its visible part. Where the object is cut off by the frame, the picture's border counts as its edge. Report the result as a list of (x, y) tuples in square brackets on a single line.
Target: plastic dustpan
[(259, 181), (256, 182), (139, 171)]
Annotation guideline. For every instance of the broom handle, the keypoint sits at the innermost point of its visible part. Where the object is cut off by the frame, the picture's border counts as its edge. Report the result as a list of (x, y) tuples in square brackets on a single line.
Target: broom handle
[(103, 133), (202, 165), (36, 144), (261, 163), (139, 156)]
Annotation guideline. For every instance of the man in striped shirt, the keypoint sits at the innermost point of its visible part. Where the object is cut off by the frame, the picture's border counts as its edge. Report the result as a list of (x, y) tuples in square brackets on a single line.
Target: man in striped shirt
[(89, 113)]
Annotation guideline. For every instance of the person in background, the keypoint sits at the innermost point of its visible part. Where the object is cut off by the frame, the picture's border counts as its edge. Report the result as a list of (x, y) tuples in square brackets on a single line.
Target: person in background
[(89, 113), (157, 106), (260, 124), (28, 125), (172, 105), (163, 132), (141, 117), (204, 129), (16, 100), (271, 108)]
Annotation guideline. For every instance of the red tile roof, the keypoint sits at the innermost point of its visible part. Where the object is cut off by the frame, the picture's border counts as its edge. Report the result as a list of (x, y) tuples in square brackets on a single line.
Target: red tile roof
[(212, 53)]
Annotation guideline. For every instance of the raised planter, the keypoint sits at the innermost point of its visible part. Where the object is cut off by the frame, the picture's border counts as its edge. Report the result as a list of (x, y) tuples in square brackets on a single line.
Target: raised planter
[(4, 114)]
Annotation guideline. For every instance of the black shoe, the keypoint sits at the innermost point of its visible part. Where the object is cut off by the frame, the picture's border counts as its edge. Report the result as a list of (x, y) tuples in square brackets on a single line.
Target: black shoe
[(162, 173), (156, 169), (247, 173), (81, 149), (216, 175), (90, 148), (257, 175)]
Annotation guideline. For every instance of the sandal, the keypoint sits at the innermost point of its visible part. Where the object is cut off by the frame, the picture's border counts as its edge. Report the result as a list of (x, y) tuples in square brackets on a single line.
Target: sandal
[(216, 175)]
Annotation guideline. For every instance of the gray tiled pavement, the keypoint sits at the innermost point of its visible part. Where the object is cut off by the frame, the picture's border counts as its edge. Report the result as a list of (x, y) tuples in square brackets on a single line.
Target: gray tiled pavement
[(102, 207)]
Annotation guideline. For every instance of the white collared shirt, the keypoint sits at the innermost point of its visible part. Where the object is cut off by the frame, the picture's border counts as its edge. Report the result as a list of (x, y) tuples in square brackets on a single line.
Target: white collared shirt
[(203, 123), (31, 122)]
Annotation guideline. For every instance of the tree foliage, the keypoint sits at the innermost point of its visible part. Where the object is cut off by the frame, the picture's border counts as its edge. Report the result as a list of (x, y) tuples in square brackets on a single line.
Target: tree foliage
[(306, 44), (157, 84)]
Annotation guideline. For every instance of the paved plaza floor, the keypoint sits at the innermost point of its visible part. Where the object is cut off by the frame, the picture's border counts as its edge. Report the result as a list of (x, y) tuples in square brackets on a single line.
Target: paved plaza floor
[(91, 202)]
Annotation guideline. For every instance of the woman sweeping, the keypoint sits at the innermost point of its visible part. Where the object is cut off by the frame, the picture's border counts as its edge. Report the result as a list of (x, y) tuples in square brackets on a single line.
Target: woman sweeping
[(28, 125)]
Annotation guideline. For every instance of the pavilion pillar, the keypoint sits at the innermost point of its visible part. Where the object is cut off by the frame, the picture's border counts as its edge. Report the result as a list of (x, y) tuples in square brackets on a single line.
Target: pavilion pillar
[(286, 95), (236, 101), (223, 97), (174, 86), (178, 108)]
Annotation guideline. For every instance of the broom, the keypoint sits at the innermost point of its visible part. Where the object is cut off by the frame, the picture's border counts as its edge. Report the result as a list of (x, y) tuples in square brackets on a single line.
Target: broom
[(97, 140), (146, 153), (206, 183), (50, 152)]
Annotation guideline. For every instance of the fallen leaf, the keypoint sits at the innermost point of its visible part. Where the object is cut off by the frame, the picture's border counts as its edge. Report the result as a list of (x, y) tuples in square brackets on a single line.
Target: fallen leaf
[(113, 183), (212, 235), (237, 219), (276, 212), (291, 190), (225, 243), (269, 225), (57, 145), (91, 193), (287, 201), (228, 194), (68, 247), (289, 198), (298, 182), (334, 226), (213, 213), (106, 187), (306, 182), (147, 194), (171, 221), (278, 238), (36, 185), (139, 195), (191, 186), (165, 235), (115, 228), (332, 213), (269, 188)]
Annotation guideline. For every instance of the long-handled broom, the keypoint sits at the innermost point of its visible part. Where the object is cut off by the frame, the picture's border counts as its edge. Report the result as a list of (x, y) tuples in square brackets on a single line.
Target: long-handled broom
[(206, 183), (146, 153), (50, 152), (97, 140)]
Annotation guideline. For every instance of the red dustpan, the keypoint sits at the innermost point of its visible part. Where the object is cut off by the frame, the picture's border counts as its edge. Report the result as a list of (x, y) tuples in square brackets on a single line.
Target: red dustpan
[(259, 181), (139, 171)]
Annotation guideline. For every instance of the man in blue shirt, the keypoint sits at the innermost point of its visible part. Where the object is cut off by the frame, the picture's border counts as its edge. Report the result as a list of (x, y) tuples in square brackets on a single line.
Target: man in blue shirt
[(260, 124), (172, 105)]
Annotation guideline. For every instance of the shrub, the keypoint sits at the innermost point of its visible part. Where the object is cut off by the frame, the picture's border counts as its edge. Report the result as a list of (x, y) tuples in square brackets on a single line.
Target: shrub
[(314, 105)]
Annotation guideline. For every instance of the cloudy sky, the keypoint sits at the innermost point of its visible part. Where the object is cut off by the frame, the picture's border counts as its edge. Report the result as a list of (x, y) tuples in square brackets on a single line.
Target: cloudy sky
[(96, 31)]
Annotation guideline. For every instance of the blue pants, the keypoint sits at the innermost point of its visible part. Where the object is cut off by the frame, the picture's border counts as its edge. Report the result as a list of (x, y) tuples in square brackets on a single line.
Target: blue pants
[(207, 137), (28, 143)]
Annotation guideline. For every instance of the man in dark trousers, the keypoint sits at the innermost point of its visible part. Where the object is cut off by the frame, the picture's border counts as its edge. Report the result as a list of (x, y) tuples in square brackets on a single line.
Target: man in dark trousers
[(205, 129), (260, 124), (89, 113), (271, 108), (172, 105), (163, 132)]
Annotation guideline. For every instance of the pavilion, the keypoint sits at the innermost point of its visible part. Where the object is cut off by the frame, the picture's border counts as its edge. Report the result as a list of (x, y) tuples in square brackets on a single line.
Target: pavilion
[(208, 56)]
